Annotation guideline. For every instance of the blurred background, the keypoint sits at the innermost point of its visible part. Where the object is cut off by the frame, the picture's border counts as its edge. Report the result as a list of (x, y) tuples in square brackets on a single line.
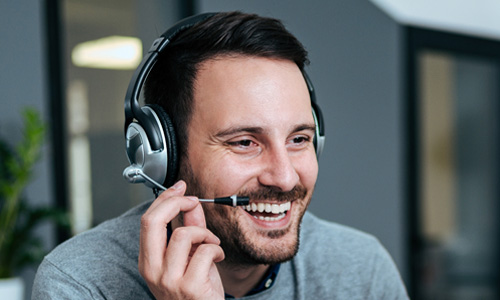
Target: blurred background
[(409, 92)]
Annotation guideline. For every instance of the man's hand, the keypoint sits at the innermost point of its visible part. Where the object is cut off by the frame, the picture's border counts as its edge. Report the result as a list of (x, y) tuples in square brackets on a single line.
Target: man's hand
[(185, 268)]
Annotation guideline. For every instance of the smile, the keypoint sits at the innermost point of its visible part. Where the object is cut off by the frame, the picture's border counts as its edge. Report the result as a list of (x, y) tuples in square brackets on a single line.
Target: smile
[(273, 212)]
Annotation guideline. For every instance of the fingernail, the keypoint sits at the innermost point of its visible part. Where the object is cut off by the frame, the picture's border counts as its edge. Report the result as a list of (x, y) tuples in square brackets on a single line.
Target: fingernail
[(177, 185), (192, 198)]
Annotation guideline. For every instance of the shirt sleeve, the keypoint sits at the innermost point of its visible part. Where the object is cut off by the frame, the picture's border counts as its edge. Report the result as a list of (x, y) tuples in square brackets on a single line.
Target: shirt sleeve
[(52, 283)]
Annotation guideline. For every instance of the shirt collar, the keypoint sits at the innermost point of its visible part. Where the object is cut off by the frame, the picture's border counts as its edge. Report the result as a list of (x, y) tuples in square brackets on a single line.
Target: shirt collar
[(266, 282)]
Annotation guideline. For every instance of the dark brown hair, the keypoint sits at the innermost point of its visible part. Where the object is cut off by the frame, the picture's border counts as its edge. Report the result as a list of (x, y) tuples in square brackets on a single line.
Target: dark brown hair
[(170, 83)]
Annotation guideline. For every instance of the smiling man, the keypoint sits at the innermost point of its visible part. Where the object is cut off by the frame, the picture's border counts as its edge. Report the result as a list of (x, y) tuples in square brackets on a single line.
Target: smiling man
[(268, 156), (231, 88)]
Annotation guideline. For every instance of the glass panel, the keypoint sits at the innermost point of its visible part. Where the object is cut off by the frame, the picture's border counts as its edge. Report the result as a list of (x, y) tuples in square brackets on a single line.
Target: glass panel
[(459, 159), (94, 105)]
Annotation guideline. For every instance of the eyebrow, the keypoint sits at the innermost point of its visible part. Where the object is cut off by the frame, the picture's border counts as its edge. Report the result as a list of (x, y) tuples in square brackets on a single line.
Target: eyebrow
[(258, 130), (302, 127), (238, 129)]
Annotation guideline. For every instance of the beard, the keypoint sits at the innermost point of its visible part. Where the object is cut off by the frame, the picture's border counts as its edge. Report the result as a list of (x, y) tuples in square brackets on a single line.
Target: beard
[(238, 248)]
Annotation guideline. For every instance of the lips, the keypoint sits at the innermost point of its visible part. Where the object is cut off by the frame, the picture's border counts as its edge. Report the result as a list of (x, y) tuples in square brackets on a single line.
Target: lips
[(268, 211)]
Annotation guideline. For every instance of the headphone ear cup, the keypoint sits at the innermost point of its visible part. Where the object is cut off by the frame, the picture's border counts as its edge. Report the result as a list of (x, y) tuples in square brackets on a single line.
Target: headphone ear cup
[(319, 135), (171, 144)]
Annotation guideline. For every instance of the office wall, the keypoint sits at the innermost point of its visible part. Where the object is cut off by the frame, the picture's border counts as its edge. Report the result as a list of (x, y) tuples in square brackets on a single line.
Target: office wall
[(356, 69), (23, 83)]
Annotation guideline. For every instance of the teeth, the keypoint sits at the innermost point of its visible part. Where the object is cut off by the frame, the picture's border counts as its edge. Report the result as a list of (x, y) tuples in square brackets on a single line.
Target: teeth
[(277, 209), (279, 217)]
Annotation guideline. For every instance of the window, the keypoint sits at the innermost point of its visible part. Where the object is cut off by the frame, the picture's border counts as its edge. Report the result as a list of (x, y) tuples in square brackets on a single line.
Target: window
[(102, 43), (455, 159)]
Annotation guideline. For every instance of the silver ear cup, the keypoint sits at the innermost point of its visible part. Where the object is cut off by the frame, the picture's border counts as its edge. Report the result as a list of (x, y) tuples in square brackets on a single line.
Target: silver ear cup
[(140, 155), (319, 140)]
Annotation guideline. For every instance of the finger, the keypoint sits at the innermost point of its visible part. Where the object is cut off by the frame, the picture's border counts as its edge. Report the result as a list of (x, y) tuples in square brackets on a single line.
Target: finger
[(178, 189), (153, 236), (203, 261), (195, 217), (181, 242)]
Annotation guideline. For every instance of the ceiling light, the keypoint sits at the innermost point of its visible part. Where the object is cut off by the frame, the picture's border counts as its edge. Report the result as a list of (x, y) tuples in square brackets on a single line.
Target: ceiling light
[(113, 52)]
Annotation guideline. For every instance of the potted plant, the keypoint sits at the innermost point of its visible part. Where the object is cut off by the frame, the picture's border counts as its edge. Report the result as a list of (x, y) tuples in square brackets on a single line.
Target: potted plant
[(19, 246)]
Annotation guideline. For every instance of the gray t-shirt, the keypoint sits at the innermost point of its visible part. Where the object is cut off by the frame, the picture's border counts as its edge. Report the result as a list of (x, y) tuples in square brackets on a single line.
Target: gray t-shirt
[(333, 262)]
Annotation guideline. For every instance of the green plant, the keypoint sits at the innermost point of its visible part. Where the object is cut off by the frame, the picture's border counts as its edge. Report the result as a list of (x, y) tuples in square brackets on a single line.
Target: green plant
[(19, 246)]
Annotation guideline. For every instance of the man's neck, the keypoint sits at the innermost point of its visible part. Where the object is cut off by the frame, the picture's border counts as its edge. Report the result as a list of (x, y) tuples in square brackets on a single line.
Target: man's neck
[(239, 281)]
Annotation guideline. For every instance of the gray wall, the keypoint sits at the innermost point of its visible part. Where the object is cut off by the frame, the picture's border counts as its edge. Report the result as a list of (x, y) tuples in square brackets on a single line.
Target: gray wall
[(23, 83), (355, 66)]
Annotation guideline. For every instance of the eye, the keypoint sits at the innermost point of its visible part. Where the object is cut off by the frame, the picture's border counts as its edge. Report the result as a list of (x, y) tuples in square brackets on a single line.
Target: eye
[(243, 145), (301, 139), (240, 143)]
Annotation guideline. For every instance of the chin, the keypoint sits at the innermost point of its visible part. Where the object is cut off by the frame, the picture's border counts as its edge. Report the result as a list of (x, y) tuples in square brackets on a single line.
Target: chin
[(259, 246), (252, 237), (277, 250)]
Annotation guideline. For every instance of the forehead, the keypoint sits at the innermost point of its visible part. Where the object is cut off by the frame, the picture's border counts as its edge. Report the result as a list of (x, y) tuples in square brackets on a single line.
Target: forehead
[(254, 88)]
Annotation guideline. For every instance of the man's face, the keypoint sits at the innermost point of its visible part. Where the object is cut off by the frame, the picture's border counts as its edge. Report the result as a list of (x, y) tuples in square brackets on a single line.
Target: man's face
[(251, 134)]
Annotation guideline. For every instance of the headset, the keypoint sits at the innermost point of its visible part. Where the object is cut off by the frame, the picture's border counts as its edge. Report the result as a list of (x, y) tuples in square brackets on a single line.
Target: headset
[(151, 143)]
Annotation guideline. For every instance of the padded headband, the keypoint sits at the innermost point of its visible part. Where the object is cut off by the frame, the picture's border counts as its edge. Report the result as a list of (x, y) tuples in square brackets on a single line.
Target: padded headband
[(132, 105)]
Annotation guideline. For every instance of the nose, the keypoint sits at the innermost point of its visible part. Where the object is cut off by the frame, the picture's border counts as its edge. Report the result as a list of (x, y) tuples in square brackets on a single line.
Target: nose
[(279, 171)]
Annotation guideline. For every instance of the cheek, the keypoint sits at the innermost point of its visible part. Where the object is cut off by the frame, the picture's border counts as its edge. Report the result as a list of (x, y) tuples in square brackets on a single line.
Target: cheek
[(224, 176), (307, 168)]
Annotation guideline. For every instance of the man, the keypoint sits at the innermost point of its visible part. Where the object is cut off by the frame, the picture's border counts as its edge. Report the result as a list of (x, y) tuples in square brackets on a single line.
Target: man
[(233, 85)]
